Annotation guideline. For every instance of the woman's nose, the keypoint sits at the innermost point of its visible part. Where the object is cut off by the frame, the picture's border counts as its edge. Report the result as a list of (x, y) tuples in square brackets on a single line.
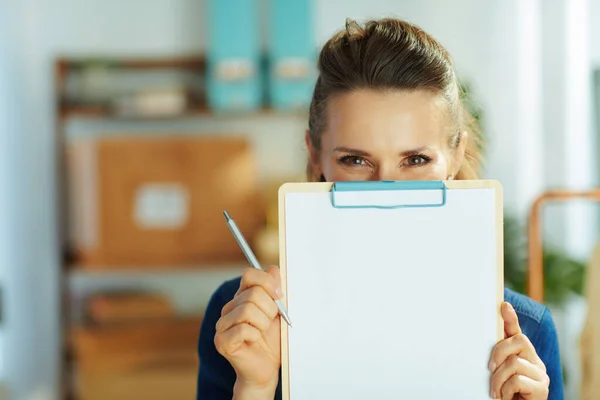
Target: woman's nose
[(387, 173)]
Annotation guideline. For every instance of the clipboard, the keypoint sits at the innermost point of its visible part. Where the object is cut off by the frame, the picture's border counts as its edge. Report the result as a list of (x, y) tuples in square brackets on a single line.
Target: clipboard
[(394, 288)]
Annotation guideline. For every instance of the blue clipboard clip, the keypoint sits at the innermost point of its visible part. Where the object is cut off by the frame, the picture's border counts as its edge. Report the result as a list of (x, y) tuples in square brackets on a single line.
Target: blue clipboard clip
[(370, 187)]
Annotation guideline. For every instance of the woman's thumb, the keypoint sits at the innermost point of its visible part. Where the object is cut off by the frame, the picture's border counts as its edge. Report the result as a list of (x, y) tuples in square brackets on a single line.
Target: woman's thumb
[(511, 320), (273, 270)]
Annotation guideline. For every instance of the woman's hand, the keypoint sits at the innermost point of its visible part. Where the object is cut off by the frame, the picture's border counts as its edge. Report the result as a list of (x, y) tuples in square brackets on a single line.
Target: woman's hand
[(248, 334), (518, 372)]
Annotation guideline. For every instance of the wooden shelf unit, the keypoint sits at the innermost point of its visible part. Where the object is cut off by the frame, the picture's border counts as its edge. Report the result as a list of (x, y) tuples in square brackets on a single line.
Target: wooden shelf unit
[(65, 66), (65, 111)]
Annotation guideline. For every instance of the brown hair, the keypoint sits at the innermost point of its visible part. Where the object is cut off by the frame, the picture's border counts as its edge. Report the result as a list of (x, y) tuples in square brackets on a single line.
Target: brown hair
[(390, 54)]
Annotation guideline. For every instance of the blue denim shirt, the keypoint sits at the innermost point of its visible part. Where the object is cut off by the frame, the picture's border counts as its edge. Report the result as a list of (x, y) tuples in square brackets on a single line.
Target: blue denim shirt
[(216, 377)]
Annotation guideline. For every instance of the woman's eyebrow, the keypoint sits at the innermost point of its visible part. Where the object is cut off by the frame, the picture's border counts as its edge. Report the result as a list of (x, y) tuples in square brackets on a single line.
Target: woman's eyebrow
[(421, 149), (357, 152), (343, 149)]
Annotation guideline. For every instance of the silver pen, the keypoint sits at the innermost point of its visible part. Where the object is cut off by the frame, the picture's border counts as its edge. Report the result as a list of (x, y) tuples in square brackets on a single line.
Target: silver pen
[(252, 259)]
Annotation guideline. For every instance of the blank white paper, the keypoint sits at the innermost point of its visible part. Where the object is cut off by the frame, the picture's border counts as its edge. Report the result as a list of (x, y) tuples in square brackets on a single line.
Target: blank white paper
[(391, 303)]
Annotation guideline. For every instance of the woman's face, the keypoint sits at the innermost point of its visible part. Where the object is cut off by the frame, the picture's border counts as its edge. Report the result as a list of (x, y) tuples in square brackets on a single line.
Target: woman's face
[(386, 135)]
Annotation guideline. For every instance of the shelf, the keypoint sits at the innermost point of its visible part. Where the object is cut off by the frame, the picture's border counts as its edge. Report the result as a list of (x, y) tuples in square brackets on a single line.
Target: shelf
[(103, 112), (198, 105), (128, 344), (135, 325), (75, 269), (191, 62)]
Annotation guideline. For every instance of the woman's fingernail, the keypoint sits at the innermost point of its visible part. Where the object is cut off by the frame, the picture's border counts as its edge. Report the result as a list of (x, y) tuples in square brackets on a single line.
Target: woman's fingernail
[(279, 293), (492, 366), (492, 394)]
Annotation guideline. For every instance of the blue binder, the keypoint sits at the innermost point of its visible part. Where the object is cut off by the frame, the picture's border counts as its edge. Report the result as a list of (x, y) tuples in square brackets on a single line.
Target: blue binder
[(292, 53), (234, 78)]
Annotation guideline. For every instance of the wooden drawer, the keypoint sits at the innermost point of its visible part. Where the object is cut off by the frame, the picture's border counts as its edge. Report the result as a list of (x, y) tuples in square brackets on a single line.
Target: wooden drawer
[(150, 360)]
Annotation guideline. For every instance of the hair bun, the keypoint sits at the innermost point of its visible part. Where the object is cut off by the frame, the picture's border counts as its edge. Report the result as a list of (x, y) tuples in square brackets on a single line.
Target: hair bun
[(352, 27)]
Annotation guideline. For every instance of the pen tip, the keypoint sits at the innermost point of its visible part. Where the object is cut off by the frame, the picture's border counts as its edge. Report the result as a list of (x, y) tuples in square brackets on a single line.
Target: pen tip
[(227, 217)]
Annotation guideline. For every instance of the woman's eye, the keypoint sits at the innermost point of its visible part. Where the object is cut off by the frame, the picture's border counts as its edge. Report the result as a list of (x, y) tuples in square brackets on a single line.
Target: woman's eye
[(417, 160), (353, 160)]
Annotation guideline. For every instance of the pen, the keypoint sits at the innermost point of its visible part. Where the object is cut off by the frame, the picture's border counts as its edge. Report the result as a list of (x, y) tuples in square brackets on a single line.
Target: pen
[(252, 259)]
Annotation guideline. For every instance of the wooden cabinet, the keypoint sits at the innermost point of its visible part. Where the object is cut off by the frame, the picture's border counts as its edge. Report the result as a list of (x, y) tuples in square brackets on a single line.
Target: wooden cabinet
[(150, 360), (159, 200)]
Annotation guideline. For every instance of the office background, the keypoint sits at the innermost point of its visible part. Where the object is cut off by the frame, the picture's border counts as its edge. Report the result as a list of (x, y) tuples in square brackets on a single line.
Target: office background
[(530, 66)]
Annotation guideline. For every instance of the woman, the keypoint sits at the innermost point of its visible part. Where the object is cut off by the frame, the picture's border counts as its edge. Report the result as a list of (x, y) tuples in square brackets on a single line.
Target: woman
[(386, 106)]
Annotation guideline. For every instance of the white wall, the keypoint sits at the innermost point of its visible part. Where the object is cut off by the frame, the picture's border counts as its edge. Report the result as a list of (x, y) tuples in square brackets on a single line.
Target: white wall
[(6, 126), (570, 140), (30, 275), (117, 27), (458, 24), (595, 32)]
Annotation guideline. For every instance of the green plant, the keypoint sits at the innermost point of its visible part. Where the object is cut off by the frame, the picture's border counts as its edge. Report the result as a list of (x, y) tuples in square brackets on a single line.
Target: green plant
[(473, 107), (562, 274), (469, 101), (515, 261)]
